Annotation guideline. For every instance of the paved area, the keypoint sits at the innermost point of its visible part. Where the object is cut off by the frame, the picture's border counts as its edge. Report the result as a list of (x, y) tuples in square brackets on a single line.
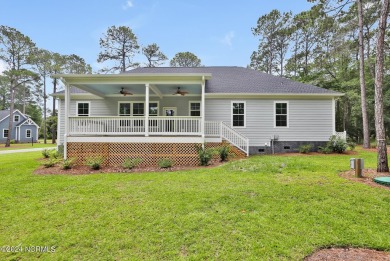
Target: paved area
[(24, 150)]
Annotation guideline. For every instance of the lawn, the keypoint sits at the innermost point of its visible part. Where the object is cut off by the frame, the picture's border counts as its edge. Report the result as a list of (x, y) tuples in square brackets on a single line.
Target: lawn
[(263, 208), (28, 146)]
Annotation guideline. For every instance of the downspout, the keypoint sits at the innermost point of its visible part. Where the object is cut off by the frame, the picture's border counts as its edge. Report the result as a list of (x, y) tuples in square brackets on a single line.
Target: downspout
[(202, 104)]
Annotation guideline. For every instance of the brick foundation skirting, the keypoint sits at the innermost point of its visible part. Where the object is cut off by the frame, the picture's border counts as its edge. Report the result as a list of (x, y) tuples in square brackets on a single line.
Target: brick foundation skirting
[(114, 154)]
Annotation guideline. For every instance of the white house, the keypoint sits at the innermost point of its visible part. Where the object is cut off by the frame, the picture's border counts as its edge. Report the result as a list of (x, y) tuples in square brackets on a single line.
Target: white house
[(161, 112)]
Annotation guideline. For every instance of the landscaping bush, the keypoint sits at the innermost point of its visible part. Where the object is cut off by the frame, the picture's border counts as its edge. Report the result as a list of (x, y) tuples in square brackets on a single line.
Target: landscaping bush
[(12, 141), (351, 145), (335, 144), (46, 153), (205, 155), (165, 163), (50, 162), (53, 153), (131, 163), (94, 162), (67, 164), (224, 152), (305, 148)]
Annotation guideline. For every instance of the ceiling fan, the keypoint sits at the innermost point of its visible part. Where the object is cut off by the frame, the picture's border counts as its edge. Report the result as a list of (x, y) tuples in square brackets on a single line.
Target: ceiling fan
[(180, 92), (125, 92)]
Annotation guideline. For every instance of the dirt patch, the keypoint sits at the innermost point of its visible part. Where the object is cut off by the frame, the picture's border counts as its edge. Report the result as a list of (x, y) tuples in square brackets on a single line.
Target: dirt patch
[(368, 175), (82, 170), (348, 254)]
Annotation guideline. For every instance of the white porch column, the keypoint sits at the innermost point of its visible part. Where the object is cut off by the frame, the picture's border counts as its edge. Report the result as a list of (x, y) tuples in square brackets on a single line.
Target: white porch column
[(202, 109), (334, 116), (147, 109), (67, 109)]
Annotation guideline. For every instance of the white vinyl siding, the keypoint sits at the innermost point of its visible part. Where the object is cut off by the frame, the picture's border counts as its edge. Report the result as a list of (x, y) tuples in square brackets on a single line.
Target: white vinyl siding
[(309, 119)]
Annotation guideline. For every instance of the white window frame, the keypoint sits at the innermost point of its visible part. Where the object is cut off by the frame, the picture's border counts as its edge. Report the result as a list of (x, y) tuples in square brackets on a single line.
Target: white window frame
[(158, 108), (30, 133), (89, 108), (3, 133), (288, 114), (200, 108), (231, 114), (132, 110), (15, 117)]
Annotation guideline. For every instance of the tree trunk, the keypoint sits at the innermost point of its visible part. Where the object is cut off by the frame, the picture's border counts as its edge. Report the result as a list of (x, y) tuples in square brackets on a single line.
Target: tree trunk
[(366, 133), (11, 113), (382, 165), (53, 131), (44, 109)]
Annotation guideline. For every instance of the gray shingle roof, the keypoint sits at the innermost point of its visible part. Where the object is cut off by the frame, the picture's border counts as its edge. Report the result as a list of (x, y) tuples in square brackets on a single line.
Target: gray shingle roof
[(73, 90), (4, 114), (230, 79)]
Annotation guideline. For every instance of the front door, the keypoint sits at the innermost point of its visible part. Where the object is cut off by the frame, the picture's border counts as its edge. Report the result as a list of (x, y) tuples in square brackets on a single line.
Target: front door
[(169, 123)]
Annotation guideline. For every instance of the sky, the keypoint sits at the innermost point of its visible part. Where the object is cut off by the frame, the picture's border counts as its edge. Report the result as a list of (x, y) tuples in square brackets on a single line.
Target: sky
[(217, 31)]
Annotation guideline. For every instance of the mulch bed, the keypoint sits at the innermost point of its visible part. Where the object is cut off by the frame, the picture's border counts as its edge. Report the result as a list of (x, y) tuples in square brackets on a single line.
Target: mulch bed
[(348, 254), (82, 170), (368, 175)]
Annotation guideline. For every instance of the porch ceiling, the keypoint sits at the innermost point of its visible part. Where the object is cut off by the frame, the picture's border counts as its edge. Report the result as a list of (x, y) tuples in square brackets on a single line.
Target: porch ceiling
[(161, 84), (138, 89)]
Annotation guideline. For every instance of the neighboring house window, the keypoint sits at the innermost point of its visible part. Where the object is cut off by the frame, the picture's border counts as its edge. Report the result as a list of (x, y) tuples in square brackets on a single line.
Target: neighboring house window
[(28, 133), (138, 109), (16, 118), (238, 114), (5, 133), (153, 109), (124, 109), (194, 108), (281, 114), (83, 109)]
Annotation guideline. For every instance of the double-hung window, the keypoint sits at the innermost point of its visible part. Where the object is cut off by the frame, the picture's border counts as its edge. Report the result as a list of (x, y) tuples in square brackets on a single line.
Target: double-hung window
[(194, 108), (28, 133), (281, 114), (5, 133), (16, 118), (82, 108), (238, 114)]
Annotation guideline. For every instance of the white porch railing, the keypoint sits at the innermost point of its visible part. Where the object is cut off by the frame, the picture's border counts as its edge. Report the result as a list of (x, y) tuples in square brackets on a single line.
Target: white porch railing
[(212, 128), (175, 125), (123, 125), (235, 138)]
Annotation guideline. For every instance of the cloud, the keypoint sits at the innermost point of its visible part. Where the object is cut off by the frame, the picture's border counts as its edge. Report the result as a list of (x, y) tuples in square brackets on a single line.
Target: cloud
[(128, 5), (227, 39)]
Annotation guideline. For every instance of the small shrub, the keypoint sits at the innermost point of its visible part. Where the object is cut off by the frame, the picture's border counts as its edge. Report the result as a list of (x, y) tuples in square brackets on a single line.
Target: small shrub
[(131, 163), (50, 162), (335, 144), (46, 153), (224, 152), (305, 148), (12, 142), (165, 163), (205, 155), (351, 145), (95, 162), (325, 150), (67, 164), (53, 153)]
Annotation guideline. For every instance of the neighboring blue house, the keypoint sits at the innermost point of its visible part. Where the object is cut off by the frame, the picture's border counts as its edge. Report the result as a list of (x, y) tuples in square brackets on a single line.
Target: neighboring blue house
[(24, 129)]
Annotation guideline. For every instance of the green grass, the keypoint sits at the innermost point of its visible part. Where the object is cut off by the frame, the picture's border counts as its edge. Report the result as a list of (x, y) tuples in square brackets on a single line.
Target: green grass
[(20, 146), (264, 207)]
